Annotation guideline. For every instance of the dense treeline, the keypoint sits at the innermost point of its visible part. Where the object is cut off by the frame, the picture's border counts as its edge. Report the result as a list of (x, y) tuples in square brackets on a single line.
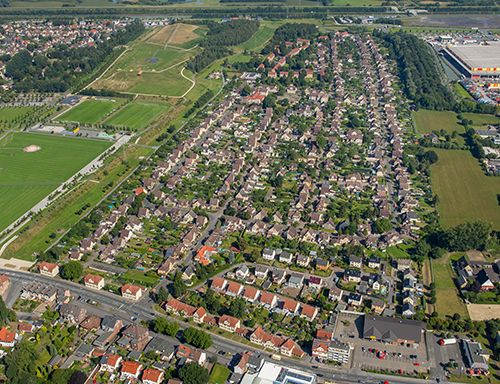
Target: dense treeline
[(59, 69), (218, 38), (200, 102), (417, 70), (292, 32), (231, 33), (96, 92), (207, 57)]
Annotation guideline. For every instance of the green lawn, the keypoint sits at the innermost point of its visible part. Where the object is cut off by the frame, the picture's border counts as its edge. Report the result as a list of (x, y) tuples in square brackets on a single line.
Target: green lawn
[(260, 37), (91, 111), (480, 120), (17, 200), (448, 303), (397, 253), (219, 374), (428, 121), (464, 191), (168, 57), (461, 91), (26, 178), (442, 275), (140, 277), (137, 114), (59, 158)]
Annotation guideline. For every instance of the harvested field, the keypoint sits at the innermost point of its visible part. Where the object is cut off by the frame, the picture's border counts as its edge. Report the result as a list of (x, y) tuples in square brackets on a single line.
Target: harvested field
[(162, 36), (184, 34), (482, 312)]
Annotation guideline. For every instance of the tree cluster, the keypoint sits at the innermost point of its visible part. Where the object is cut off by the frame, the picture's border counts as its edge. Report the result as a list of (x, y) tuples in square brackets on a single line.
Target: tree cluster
[(197, 338)]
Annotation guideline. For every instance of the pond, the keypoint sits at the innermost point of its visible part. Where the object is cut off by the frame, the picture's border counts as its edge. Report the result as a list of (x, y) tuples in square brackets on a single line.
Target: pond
[(154, 60)]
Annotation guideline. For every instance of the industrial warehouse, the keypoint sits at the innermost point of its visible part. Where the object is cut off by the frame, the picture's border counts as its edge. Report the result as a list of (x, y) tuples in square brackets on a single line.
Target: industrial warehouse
[(476, 61)]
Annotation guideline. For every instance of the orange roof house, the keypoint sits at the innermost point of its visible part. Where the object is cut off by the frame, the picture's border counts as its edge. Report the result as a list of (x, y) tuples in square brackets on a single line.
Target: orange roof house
[(7, 338)]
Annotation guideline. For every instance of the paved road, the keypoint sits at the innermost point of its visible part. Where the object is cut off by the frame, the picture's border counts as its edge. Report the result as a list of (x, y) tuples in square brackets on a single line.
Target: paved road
[(142, 310)]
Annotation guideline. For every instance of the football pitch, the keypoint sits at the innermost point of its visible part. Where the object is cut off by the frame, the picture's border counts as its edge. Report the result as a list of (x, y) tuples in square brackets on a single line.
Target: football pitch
[(91, 111), (26, 178), (137, 114)]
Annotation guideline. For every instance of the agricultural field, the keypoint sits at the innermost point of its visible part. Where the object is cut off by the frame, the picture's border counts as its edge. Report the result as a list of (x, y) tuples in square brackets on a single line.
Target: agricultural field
[(482, 120), (184, 33), (162, 36), (137, 114), (26, 178), (465, 192), (91, 111)]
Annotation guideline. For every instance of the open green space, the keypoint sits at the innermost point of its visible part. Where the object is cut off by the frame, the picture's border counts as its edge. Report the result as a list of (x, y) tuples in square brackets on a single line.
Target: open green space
[(168, 57), (461, 92), (260, 37), (167, 83), (480, 120), (219, 374), (26, 178), (36, 238), (91, 111), (428, 121), (139, 277), (10, 114), (465, 192), (137, 114), (443, 277), (448, 303)]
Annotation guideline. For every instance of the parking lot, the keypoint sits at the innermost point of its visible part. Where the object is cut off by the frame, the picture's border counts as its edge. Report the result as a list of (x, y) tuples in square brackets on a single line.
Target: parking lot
[(405, 359)]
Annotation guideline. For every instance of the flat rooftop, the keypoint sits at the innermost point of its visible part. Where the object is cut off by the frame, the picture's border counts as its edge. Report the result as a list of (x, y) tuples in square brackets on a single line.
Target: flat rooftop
[(478, 56)]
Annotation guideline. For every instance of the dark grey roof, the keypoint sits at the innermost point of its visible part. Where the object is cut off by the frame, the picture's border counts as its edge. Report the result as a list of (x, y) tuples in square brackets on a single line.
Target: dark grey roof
[(108, 322), (390, 329)]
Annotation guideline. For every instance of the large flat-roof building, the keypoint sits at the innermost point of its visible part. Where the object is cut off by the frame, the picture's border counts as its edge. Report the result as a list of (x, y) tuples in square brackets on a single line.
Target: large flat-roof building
[(393, 330), (271, 373), (476, 355), (476, 60)]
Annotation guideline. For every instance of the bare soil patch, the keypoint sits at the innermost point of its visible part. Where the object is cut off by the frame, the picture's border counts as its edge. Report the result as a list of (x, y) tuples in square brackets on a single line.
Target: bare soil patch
[(475, 256), (482, 312)]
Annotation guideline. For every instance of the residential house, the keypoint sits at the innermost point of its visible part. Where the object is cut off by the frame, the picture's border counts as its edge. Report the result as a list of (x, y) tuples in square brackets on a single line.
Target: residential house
[(268, 254), (374, 262), (218, 284), (339, 351), (48, 269), (110, 362), (130, 370), (94, 282), (242, 272), (138, 336), (234, 289), (290, 307), (251, 294), (191, 354), (315, 283), (72, 313), (7, 339), (296, 280), (408, 310), (322, 264), (285, 257), (152, 376), (355, 261), (354, 299), (132, 292), (352, 275), (303, 261), (4, 284), (335, 294), (309, 312), (278, 276), (229, 323), (378, 305), (261, 271)]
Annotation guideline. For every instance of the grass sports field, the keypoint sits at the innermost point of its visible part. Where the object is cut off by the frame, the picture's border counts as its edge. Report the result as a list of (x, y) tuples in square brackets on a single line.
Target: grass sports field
[(465, 192), (26, 178), (91, 111), (137, 114)]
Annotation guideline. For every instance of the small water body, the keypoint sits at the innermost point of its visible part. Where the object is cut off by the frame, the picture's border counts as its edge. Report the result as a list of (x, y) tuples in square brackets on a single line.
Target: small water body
[(199, 3), (154, 60)]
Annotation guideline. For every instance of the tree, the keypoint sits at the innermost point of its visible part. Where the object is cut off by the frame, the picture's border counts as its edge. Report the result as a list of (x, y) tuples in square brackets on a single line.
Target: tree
[(178, 286), (238, 308), (269, 101), (246, 90), (383, 225), (242, 243), (433, 300), (321, 141), (197, 338), (467, 236), (431, 156), (72, 270), (78, 377), (172, 328), (162, 295), (432, 285), (193, 373), (159, 324), (457, 317), (254, 255)]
